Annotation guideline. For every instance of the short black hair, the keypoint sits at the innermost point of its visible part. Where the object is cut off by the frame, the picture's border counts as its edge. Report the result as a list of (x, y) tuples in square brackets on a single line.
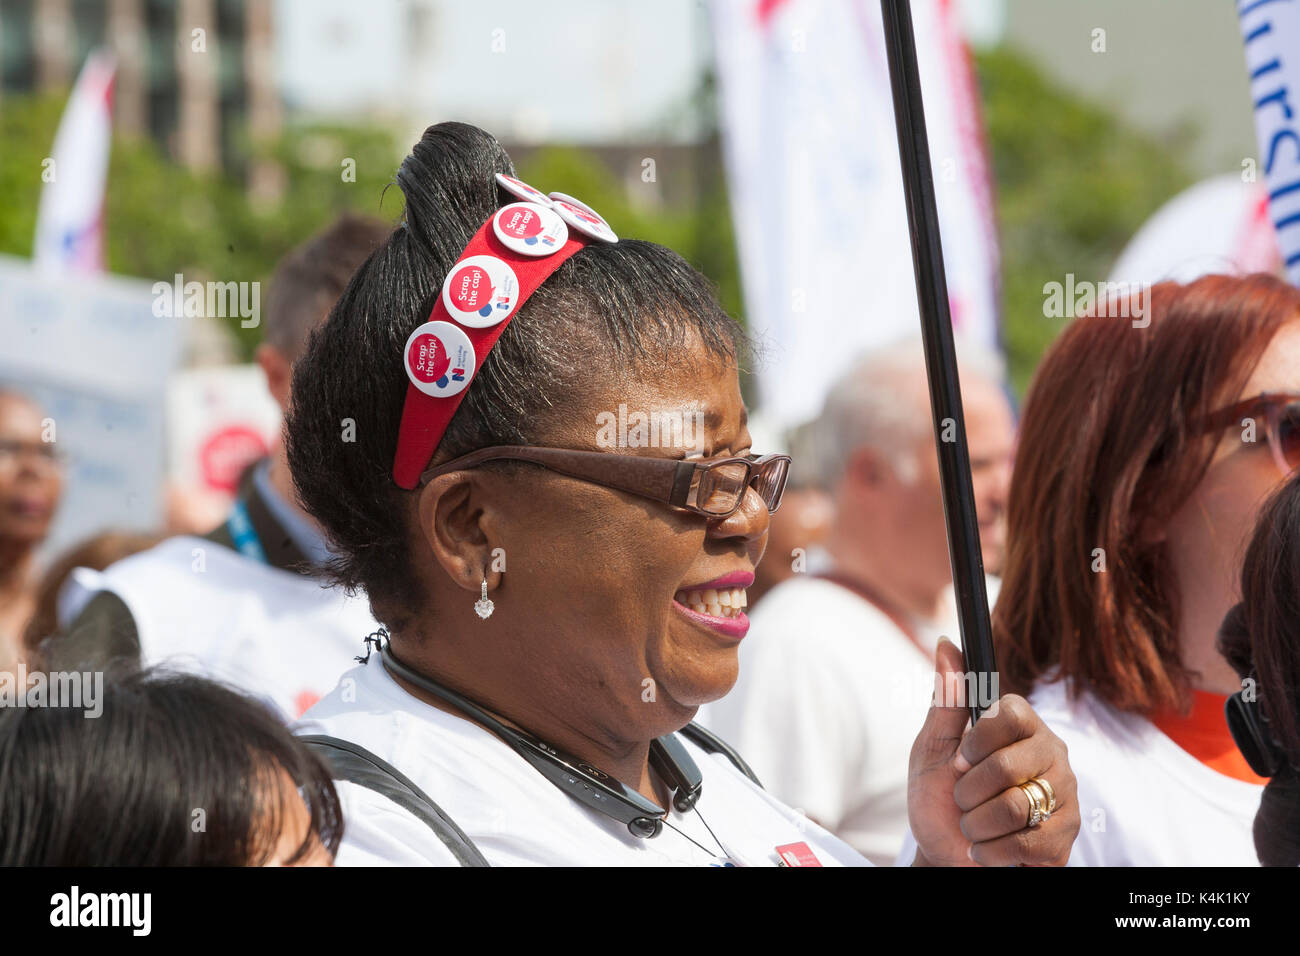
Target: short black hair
[(608, 310), (176, 770), (310, 278)]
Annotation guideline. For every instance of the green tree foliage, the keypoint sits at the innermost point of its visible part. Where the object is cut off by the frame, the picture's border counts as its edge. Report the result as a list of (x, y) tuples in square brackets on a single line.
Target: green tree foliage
[(1072, 187), (163, 219)]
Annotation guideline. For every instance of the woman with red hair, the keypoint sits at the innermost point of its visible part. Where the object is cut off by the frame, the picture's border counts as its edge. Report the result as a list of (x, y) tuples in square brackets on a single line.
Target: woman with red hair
[(1146, 449)]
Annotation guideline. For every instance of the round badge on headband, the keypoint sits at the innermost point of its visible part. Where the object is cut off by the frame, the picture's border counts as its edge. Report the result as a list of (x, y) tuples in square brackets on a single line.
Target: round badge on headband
[(565, 197), (480, 291), (529, 229), (583, 218), (439, 359), (517, 187)]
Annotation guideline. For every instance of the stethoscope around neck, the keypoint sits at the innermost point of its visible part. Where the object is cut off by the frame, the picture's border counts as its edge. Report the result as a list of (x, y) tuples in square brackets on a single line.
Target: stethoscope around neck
[(589, 786)]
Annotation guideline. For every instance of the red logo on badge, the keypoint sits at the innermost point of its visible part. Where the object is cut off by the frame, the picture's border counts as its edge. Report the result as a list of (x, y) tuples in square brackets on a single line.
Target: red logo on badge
[(471, 289), (428, 358), (797, 854), (226, 453), (520, 223), (580, 213)]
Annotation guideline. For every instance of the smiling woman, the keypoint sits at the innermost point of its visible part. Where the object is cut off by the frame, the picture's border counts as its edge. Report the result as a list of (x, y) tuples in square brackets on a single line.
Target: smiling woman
[(540, 705)]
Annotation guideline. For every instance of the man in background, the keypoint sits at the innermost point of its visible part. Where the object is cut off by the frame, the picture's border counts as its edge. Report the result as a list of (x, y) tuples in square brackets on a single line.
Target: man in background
[(837, 671), (245, 603), (798, 529)]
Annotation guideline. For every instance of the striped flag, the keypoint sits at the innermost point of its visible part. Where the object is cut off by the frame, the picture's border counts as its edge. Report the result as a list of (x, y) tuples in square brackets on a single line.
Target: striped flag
[(1271, 32)]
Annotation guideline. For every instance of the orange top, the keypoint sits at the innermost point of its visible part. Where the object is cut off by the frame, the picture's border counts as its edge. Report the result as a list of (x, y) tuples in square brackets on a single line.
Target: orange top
[(1204, 734)]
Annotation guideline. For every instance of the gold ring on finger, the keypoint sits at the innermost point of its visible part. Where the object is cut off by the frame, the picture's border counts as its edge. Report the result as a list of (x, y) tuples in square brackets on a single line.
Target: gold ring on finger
[(1037, 801), (1049, 793)]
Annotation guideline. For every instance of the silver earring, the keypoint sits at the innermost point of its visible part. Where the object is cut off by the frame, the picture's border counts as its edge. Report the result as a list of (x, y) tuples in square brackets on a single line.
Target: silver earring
[(483, 607)]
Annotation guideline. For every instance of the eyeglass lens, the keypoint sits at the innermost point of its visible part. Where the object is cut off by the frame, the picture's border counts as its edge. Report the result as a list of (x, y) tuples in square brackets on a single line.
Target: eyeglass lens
[(721, 487), (1288, 434)]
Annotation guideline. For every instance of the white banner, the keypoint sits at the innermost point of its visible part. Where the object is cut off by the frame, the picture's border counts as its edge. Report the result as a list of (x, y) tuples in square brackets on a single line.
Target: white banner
[(816, 187), (95, 357), (1271, 32), (219, 421)]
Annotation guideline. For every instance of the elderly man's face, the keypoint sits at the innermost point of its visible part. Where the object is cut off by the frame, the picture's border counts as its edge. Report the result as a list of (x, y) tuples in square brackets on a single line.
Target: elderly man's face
[(917, 527), (990, 435)]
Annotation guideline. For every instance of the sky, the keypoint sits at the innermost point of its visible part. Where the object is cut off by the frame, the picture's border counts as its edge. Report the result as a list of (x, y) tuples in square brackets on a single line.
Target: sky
[(582, 71)]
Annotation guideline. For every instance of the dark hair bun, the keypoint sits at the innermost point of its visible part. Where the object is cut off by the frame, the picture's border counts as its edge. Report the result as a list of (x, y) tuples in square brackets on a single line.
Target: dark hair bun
[(449, 182)]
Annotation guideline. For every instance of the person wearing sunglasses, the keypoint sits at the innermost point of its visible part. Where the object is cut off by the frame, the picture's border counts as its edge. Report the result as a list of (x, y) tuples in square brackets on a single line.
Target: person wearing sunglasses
[(31, 483), (556, 605), (1145, 453), (1260, 640)]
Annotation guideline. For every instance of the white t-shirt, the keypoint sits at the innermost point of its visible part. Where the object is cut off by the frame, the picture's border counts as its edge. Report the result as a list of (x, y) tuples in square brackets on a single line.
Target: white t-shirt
[(200, 607), (1143, 800), (830, 697), (513, 814)]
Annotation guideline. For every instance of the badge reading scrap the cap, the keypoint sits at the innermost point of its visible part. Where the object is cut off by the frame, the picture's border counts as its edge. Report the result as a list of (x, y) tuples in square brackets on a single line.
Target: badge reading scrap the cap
[(583, 218), (480, 291), (529, 229), (439, 359), (517, 187)]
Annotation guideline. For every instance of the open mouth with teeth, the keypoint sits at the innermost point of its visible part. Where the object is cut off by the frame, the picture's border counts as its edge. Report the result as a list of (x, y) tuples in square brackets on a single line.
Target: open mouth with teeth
[(715, 602)]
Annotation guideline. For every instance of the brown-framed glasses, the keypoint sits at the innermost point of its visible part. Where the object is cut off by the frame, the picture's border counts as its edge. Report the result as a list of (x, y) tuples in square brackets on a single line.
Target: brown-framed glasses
[(712, 487), (1278, 413)]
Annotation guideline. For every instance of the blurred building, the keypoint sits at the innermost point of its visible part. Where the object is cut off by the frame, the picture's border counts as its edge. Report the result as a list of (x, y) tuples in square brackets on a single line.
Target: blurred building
[(194, 75)]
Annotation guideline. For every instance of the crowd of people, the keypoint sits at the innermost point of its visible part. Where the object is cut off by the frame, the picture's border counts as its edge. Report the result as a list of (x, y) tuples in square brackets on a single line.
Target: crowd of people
[(535, 649)]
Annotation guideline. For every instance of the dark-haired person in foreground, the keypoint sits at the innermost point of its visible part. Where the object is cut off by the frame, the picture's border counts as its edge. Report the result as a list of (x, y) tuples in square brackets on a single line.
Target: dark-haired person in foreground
[(174, 770), (244, 604), (559, 604), (1260, 640)]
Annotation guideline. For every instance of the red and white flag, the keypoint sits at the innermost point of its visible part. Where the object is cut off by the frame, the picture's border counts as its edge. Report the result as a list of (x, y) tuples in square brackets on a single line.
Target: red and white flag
[(70, 221), (817, 193)]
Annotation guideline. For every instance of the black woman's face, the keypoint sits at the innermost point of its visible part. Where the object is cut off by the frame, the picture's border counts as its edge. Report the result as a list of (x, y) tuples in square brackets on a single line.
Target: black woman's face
[(623, 597)]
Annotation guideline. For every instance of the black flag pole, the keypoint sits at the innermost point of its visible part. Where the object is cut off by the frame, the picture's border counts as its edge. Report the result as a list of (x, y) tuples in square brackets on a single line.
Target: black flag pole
[(940, 359)]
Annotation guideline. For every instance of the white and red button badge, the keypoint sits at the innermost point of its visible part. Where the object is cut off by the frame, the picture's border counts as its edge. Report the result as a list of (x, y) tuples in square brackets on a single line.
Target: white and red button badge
[(582, 217), (439, 359), (517, 187), (529, 229), (575, 212), (482, 290)]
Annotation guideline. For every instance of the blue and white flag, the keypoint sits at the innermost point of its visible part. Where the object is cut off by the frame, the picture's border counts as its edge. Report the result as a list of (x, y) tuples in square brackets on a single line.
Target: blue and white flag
[(1271, 31)]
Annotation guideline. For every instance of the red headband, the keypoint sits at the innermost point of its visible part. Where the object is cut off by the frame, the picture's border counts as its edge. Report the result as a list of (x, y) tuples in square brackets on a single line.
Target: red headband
[(505, 262)]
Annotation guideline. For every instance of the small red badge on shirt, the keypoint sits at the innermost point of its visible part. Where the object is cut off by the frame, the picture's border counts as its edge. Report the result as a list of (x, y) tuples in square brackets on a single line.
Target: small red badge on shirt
[(797, 854)]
